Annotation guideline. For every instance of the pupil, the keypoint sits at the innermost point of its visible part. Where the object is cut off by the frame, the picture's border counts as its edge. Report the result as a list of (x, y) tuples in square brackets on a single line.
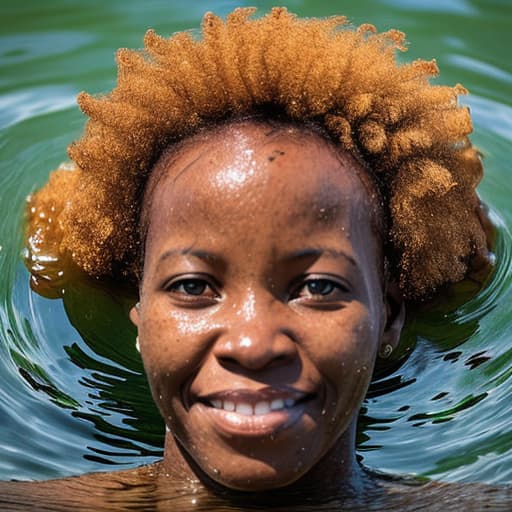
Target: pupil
[(194, 287), (320, 287)]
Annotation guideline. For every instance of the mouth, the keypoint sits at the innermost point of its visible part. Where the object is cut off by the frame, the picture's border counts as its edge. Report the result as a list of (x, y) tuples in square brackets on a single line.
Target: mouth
[(254, 413)]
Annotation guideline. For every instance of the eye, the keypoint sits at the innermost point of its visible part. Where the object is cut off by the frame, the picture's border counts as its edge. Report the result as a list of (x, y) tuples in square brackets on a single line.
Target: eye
[(193, 290), (320, 290), (320, 287), (190, 286)]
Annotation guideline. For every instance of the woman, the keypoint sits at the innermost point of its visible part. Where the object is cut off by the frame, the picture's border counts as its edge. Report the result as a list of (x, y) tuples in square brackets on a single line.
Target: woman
[(279, 190)]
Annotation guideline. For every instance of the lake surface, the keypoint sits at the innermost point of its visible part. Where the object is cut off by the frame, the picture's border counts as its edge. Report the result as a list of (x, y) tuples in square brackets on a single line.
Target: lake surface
[(73, 397)]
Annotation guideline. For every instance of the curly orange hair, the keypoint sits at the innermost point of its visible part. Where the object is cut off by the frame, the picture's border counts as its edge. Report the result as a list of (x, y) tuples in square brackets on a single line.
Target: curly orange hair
[(411, 135)]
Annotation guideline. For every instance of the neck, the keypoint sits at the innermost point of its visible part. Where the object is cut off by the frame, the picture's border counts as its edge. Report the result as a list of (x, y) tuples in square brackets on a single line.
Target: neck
[(337, 475)]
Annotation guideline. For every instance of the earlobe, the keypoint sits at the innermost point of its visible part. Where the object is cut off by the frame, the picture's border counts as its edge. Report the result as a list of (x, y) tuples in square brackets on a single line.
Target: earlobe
[(134, 314), (395, 306)]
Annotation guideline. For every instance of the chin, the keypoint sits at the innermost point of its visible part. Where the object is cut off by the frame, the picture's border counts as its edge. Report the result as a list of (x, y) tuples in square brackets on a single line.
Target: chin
[(256, 478)]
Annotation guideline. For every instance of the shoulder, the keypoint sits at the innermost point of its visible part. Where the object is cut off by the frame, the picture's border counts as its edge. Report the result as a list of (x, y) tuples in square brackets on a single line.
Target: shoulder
[(85, 492), (407, 494)]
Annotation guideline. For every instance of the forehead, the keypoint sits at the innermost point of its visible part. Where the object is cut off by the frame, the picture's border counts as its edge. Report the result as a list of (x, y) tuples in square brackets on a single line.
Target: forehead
[(255, 168)]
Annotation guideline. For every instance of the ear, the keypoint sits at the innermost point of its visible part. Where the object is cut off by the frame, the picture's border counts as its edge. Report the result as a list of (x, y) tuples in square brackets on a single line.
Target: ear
[(395, 313), (134, 314)]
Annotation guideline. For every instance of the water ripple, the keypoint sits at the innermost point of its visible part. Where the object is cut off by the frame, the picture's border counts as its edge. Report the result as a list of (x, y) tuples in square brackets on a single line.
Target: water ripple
[(35, 101), (437, 6), (25, 47)]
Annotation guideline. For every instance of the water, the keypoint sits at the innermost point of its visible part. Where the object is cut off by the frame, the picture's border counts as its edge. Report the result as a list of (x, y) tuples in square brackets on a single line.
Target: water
[(73, 397)]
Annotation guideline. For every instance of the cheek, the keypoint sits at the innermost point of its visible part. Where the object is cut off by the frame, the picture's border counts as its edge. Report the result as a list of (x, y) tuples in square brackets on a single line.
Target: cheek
[(350, 340), (173, 344), (348, 370), (346, 353)]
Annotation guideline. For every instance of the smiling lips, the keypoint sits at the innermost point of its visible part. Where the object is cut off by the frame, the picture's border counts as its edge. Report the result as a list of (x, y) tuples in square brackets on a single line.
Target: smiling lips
[(247, 409), (247, 412)]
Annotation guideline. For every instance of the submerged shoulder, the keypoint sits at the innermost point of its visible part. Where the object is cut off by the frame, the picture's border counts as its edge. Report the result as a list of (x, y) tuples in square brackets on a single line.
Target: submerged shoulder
[(92, 491), (406, 494)]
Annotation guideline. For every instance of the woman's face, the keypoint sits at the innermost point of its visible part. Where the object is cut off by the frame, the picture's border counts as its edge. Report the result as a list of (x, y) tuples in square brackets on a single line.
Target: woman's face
[(261, 308)]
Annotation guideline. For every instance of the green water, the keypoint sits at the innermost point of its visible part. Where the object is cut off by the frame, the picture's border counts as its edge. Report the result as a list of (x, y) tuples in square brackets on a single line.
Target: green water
[(73, 397)]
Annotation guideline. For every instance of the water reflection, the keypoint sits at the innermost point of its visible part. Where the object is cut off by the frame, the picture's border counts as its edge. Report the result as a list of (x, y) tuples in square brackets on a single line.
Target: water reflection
[(119, 401)]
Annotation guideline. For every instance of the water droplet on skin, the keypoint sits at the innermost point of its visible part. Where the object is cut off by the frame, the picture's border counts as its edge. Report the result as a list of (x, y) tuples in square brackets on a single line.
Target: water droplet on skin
[(194, 501), (216, 471), (245, 342)]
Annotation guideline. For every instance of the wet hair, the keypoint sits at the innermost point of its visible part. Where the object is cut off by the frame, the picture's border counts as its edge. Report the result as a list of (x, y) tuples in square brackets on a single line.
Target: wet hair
[(410, 134)]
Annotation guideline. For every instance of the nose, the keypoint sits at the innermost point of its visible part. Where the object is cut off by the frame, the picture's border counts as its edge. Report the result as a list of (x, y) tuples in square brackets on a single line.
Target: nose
[(257, 340)]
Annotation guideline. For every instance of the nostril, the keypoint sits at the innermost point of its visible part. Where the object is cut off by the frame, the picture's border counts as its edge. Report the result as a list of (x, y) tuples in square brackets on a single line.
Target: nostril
[(228, 360), (253, 361)]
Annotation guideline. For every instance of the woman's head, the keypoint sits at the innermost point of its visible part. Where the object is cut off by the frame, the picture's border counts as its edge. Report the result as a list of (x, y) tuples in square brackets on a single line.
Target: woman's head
[(262, 306)]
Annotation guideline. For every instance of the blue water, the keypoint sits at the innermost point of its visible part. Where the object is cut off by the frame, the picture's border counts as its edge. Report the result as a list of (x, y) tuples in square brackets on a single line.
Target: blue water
[(73, 397)]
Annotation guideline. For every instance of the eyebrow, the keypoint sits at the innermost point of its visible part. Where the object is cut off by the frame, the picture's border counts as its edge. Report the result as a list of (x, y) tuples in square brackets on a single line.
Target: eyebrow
[(301, 254), (206, 256), (316, 252)]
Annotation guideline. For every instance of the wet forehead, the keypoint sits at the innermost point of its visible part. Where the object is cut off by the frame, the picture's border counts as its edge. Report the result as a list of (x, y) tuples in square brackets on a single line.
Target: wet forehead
[(297, 176)]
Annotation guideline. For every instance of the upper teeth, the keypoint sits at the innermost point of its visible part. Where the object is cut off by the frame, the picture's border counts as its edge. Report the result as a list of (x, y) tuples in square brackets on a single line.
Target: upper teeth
[(262, 407)]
